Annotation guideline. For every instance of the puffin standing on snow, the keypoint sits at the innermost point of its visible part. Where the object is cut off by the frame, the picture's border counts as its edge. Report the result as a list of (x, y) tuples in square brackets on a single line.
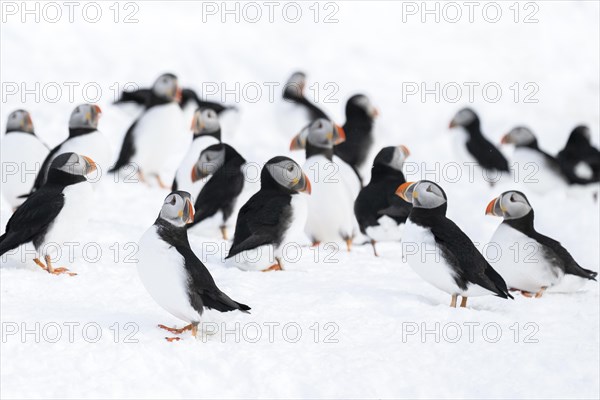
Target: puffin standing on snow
[(207, 131), (579, 160), (444, 255), (23, 152), (485, 153), (54, 213), (219, 194), (154, 135), (172, 274), (539, 262), (360, 119), (537, 169), (379, 212), (271, 218), (331, 205), (84, 138)]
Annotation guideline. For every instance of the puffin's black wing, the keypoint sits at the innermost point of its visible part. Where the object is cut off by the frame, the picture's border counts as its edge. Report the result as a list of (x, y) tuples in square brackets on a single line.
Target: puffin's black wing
[(127, 149), (188, 95), (314, 111), (202, 287), (40, 179), (32, 218), (260, 222), (140, 96), (218, 194), (561, 257), (487, 155), (467, 261)]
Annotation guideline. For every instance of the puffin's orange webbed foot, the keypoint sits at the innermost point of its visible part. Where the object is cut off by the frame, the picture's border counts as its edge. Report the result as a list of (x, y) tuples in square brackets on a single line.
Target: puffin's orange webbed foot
[(176, 330), (172, 339)]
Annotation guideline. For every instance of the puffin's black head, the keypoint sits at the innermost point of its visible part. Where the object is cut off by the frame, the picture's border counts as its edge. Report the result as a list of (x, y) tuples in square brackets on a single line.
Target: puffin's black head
[(392, 156), (294, 87), (206, 122), (580, 136), (167, 87), (19, 121), (286, 174), (177, 209), (214, 158), (520, 136), (465, 118), (70, 168), (509, 205), (321, 133), (422, 194), (359, 106), (85, 116)]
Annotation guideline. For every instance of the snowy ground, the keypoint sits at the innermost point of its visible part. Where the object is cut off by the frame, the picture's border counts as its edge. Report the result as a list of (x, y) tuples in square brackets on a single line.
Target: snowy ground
[(349, 325)]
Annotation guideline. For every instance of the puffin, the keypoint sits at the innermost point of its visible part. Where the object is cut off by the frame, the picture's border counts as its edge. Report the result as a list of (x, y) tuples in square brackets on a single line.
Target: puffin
[(360, 121), (331, 204), (55, 213), (444, 255), (538, 262), (479, 148), (294, 92), (220, 192), (156, 133), (271, 218), (22, 153), (207, 131), (84, 138), (579, 160), (380, 213), (172, 273), (536, 169)]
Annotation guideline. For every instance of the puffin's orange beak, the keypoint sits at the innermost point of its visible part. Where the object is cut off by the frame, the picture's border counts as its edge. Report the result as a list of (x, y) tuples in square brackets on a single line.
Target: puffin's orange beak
[(98, 109), (405, 150), (195, 176), (178, 94), (297, 142), (489, 210), (91, 164), (505, 139), (401, 191), (341, 134), (190, 211), (307, 187), (452, 124)]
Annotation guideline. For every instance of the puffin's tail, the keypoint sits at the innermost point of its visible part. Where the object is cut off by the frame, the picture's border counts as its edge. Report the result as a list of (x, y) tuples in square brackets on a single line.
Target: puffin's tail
[(499, 283), (591, 275), (224, 303), (6, 245)]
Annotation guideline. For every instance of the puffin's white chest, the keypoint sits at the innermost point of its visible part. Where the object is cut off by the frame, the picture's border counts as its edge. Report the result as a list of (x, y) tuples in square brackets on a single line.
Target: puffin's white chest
[(520, 261), (162, 272), (93, 145), (425, 257), (159, 133), (184, 172), (22, 156), (330, 205), (70, 223)]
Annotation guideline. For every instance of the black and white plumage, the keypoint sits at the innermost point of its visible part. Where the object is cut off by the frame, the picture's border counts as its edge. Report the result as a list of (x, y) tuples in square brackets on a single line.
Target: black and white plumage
[(157, 133), (529, 261), (334, 184), (271, 218), (360, 120), (207, 131), (477, 146), (533, 167), (220, 192), (380, 213), (55, 213), (84, 138), (170, 271), (22, 154), (579, 160), (440, 252)]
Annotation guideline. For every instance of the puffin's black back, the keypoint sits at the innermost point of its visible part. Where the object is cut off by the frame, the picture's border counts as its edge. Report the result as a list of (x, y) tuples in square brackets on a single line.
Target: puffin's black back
[(554, 252), (222, 189), (484, 152), (579, 149), (359, 135), (202, 289)]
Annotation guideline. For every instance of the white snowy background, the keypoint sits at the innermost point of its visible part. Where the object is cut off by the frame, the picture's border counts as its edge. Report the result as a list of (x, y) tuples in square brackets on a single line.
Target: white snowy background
[(369, 303)]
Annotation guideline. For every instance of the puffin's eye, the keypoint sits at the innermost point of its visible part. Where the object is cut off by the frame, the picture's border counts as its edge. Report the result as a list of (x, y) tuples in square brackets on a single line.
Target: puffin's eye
[(513, 198), (290, 168), (173, 200)]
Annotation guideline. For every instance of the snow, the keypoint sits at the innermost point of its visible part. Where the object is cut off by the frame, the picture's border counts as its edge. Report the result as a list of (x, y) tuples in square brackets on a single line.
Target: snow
[(371, 305)]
